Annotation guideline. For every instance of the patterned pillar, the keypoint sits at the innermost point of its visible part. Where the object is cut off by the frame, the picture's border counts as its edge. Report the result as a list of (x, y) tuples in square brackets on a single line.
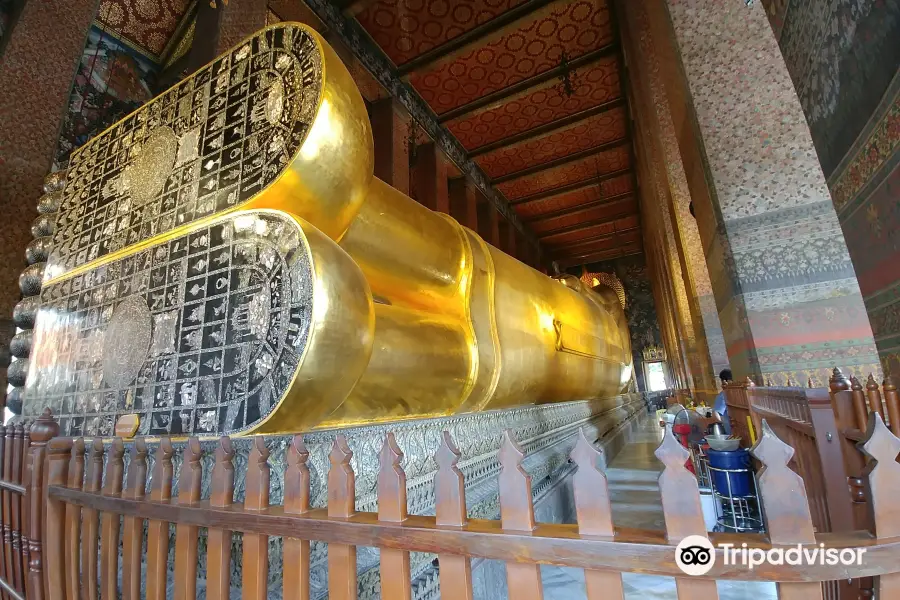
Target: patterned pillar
[(239, 19), (36, 71), (651, 104), (464, 202), (785, 289)]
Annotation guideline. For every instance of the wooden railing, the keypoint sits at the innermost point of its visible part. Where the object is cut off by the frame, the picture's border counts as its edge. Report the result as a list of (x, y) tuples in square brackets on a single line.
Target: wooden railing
[(14, 477), (82, 516)]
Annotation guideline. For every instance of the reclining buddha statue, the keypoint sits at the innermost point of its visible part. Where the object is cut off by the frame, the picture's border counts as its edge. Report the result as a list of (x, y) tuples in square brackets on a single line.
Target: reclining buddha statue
[(225, 262)]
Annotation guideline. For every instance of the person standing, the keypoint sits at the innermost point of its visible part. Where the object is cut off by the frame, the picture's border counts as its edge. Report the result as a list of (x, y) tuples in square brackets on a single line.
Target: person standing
[(720, 408)]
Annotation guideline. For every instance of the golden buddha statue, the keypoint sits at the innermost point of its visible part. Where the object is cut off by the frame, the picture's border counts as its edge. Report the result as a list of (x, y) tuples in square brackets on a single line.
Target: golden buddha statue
[(225, 262)]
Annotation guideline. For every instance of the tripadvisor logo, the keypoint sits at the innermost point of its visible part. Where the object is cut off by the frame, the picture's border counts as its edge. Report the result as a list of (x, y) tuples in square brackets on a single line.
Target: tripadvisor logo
[(696, 555)]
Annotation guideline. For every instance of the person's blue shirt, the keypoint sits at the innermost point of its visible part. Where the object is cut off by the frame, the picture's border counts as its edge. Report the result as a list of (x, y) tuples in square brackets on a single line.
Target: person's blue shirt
[(720, 407)]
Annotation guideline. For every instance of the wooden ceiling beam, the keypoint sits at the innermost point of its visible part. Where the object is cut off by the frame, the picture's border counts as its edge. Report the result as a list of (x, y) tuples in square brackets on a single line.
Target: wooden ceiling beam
[(568, 249), (570, 187), (580, 208), (574, 261), (564, 160), (489, 101), (546, 128), (585, 225), (475, 37)]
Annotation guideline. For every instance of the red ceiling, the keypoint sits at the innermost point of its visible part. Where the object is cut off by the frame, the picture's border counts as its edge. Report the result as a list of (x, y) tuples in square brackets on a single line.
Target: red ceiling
[(582, 135), (593, 85), (571, 29), (407, 28), (147, 24), (579, 170)]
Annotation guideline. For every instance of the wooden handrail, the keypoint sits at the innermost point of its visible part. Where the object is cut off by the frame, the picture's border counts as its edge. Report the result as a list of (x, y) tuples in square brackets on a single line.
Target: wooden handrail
[(548, 543)]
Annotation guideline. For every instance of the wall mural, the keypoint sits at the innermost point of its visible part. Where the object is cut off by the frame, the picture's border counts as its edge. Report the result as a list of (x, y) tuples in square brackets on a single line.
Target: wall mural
[(844, 59), (112, 81), (640, 310)]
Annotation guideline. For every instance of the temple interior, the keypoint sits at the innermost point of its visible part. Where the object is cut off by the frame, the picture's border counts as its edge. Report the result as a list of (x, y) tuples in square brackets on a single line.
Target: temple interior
[(664, 231)]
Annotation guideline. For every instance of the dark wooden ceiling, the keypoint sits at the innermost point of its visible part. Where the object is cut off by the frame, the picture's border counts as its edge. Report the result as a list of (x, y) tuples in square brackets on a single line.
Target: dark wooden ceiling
[(533, 89)]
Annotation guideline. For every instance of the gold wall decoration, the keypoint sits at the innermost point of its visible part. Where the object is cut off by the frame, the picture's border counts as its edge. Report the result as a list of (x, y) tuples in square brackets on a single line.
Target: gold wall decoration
[(226, 262)]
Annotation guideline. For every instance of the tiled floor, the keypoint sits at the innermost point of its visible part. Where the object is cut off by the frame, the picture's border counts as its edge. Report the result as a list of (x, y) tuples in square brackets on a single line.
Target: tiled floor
[(636, 503)]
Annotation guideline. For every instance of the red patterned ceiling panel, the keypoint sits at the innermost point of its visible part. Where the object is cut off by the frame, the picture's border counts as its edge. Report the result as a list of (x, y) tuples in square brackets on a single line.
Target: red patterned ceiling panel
[(609, 211), (147, 24), (407, 28), (563, 201), (586, 134), (617, 185), (560, 242), (572, 29), (581, 170), (594, 85)]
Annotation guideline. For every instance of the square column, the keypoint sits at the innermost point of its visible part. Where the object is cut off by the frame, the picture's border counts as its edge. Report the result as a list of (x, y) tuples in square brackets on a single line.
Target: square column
[(786, 293)]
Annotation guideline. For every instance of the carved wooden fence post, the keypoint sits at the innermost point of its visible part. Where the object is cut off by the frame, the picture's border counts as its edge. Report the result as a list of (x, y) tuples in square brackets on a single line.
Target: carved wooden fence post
[(450, 511), (218, 548), (517, 514), (681, 508), (133, 528), (256, 499), (90, 521), (785, 505), (594, 514), (186, 535), (296, 502), (158, 531), (395, 571), (342, 580), (73, 523), (109, 534), (42, 431), (882, 474)]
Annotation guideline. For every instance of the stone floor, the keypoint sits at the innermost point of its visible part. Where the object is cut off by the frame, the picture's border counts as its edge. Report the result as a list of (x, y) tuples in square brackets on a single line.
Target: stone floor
[(636, 503)]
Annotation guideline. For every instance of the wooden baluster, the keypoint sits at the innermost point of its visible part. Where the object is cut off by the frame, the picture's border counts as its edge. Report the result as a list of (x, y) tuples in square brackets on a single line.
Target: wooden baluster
[(16, 520), (256, 546), (892, 400), (681, 509), (874, 395), (785, 506), (296, 502), (25, 479), (44, 533), (73, 523), (450, 497), (4, 514), (90, 518), (133, 529), (594, 515), (341, 505), (517, 514), (186, 536), (395, 572), (860, 411), (218, 554), (882, 474), (158, 531), (110, 522)]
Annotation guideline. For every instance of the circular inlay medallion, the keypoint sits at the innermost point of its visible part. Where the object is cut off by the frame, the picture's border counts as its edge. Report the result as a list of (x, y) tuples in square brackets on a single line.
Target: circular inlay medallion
[(126, 342), (151, 168)]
